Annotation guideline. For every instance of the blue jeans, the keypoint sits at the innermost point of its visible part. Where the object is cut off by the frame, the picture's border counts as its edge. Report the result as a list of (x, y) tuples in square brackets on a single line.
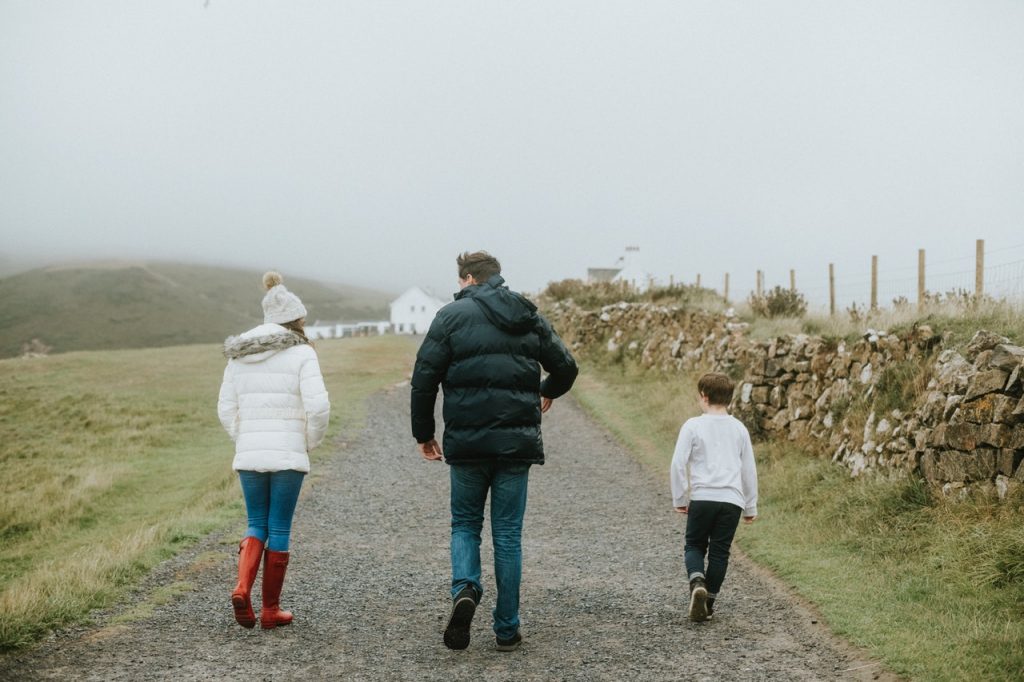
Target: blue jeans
[(507, 485), (710, 527), (270, 498)]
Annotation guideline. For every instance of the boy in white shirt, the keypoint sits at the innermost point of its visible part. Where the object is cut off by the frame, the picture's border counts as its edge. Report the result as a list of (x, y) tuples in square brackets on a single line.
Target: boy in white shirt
[(714, 482)]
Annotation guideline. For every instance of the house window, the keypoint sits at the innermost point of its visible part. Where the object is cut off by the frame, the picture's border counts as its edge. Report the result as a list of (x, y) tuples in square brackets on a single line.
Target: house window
[(412, 309), (423, 308)]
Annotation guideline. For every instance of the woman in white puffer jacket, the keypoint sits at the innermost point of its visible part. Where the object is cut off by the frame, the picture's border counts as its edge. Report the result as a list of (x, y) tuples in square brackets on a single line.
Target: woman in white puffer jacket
[(274, 405)]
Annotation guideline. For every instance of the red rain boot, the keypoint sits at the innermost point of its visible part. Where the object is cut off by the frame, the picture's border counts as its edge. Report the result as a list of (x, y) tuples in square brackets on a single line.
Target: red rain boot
[(249, 552), (274, 566)]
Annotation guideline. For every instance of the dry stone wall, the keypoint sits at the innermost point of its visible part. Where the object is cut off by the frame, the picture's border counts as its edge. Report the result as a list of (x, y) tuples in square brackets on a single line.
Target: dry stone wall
[(891, 403)]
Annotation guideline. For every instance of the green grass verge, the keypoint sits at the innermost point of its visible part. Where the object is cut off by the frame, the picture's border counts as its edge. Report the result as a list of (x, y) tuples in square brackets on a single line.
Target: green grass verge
[(934, 589), (115, 460)]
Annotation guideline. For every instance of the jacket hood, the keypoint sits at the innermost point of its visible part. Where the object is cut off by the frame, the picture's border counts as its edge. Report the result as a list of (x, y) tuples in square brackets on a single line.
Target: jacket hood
[(505, 309), (260, 343)]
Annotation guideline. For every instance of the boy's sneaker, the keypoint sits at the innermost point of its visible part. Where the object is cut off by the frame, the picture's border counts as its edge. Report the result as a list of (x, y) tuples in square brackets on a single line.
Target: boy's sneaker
[(698, 600), (510, 644), (711, 607), (456, 633)]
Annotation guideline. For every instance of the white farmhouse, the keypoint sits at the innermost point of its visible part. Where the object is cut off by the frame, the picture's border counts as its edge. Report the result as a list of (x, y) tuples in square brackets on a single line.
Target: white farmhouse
[(339, 330), (632, 272), (413, 311)]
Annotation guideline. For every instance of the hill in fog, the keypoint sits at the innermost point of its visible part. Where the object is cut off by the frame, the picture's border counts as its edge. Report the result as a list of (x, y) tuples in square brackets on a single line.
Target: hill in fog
[(96, 306)]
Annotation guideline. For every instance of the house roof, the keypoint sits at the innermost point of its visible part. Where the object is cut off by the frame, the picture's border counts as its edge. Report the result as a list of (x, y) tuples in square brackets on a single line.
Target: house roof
[(418, 292)]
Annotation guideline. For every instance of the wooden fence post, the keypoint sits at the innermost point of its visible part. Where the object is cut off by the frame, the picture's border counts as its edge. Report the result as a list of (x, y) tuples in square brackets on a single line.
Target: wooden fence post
[(832, 289), (792, 280), (920, 279), (698, 280), (979, 268), (874, 282), (726, 296), (760, 283), (671, 281)]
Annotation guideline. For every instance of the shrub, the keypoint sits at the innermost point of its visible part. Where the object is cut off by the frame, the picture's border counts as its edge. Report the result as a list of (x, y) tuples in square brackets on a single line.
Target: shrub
[(778, 302), (857, 314), (35, 348)]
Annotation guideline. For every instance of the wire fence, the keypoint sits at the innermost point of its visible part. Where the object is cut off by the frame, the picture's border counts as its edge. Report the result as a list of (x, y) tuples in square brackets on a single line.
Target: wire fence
[(996, 273)]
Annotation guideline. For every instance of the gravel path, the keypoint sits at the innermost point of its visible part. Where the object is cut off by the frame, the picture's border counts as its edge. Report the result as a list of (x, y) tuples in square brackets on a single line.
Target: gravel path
[(604, 596)]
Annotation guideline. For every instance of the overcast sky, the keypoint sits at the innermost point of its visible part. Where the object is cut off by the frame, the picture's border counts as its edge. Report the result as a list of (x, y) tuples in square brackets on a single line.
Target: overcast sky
[(369, 142)]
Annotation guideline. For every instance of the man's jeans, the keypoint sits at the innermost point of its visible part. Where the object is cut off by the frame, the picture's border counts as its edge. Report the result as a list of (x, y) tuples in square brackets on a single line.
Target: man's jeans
[(710, 527), (507, 484)]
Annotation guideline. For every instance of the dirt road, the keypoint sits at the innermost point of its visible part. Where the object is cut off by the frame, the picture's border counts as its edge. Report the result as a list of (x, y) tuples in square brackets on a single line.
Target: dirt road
[(604, 595)]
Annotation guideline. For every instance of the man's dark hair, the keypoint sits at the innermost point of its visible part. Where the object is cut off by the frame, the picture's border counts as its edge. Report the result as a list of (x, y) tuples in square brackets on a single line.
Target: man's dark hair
[(717, 387), (480, 264)]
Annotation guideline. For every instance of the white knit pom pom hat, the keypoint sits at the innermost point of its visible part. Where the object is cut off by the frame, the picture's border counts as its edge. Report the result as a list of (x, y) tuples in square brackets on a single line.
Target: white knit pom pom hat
[(280, 305)]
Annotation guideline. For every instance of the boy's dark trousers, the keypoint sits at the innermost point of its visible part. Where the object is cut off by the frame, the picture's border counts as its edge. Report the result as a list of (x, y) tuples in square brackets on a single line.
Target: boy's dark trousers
[(710, 527)]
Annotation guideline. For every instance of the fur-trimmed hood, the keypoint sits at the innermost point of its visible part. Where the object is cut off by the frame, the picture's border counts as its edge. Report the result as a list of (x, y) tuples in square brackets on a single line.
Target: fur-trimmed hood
[(260, 343)]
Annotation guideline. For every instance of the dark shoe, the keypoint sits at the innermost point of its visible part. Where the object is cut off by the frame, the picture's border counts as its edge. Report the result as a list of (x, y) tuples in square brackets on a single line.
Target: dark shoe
[(510, 644), (711, 607), (456, 633), (250, 551), (698, 600), (274, 566)]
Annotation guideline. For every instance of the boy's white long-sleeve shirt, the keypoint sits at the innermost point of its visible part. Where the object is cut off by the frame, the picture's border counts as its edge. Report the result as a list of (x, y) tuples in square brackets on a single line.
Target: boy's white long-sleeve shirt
[(714, 460)]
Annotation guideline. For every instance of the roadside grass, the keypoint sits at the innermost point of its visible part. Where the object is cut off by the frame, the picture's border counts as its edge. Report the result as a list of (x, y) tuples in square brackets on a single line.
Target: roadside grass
[(115, 460), (935, 589)]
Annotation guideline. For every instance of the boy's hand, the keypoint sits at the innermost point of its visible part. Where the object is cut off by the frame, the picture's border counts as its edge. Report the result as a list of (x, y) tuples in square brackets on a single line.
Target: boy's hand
[(683, 510), (749, 519), (430, 450), (545, 404)]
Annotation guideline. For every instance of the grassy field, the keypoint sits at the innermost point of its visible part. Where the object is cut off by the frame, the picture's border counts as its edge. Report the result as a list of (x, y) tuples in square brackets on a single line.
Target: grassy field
[(934, 589), (114, 460)]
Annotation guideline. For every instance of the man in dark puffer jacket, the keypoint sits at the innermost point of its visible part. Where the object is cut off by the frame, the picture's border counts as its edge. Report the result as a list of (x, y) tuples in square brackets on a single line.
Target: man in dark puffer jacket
[(486, 350)]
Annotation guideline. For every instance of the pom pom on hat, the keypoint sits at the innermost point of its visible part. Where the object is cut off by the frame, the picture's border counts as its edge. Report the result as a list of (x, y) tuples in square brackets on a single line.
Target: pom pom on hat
[(279, 304), (271, 279)]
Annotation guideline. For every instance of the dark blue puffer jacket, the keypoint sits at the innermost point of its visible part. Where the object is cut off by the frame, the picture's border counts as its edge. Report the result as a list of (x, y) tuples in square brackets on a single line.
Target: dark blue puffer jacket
[(486, 350)]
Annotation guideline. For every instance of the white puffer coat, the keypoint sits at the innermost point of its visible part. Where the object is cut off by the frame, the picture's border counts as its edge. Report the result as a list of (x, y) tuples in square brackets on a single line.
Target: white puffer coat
[(273, 402)]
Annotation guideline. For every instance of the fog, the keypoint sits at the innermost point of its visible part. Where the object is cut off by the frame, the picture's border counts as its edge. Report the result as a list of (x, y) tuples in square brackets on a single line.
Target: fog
[(370, 142)]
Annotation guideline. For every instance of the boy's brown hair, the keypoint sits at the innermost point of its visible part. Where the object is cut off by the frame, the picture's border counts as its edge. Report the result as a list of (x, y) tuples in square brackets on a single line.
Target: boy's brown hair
[(480, 264), (717, 387)]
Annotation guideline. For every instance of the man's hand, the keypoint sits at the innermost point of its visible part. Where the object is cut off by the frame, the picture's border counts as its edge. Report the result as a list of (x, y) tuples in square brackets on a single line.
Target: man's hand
[(683, 510), (545, 404), (430, 450), (749, 519)]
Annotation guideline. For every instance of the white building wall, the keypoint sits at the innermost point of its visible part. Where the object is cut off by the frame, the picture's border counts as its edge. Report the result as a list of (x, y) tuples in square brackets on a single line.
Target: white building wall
[(413, 311), (321, 331)]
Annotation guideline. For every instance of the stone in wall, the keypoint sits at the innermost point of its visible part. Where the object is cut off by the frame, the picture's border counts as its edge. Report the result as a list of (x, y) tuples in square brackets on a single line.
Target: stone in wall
[(959, 466), (989, 381)]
